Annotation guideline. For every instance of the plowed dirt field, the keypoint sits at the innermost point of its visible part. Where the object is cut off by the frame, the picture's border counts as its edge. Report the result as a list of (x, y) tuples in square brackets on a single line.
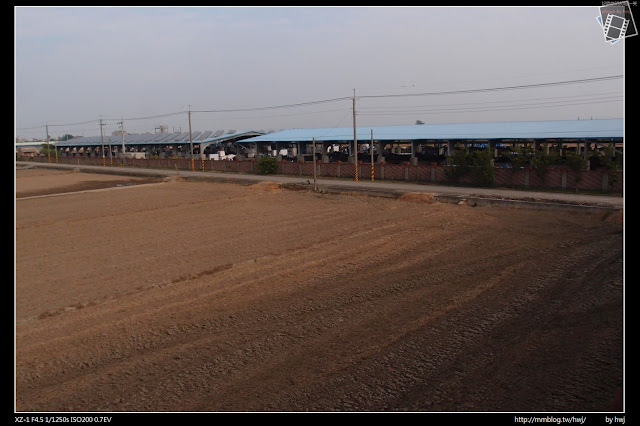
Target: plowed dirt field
[(202, 297)]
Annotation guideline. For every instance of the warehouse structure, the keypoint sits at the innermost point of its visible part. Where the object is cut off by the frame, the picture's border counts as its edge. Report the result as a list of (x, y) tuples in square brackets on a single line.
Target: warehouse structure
[(160, 145), (410, 143), (414, 141)]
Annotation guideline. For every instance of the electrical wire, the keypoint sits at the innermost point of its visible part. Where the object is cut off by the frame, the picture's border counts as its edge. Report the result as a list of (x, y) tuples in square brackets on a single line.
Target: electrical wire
[(494, 102), (278, 106), (495, 89), (284, 115), (502, 108), (147, 118), (302, 104)]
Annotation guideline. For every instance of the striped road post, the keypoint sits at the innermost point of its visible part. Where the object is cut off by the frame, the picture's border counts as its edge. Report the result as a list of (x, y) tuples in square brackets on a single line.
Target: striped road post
[(371, 150)]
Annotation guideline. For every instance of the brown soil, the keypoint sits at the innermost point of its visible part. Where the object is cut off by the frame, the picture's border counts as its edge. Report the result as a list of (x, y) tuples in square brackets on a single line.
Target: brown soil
[(37, 182), (195, 296)]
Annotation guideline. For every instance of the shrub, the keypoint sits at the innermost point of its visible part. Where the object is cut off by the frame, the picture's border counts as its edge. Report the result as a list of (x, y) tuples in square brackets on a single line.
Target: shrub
[(519, 157), (483, 171), (576, 163), (610, 163), (267, 165), (460, 165), (478, 164), (541, 161), (47, 149)]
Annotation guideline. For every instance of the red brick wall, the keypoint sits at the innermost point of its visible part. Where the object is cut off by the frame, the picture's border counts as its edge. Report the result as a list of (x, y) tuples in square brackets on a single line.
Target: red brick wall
[(589, 180)]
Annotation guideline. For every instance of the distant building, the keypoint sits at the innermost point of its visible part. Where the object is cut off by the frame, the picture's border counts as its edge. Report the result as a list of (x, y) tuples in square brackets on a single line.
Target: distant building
[(28, 151)]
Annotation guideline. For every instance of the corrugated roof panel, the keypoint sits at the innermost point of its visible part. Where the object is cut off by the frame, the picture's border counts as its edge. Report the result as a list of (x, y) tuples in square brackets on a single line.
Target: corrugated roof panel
[(205, 134), (602, 128), (184, 136), (228, 136), (166, 137)]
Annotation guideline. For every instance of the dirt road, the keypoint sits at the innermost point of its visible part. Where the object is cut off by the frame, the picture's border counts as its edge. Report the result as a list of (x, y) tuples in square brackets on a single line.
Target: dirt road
[(199, 296)]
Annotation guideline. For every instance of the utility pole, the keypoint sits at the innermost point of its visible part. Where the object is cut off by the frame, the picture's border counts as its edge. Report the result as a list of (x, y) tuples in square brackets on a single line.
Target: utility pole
[(121, 123), (102, 142), (355, 139), (48, 150), (315, 176), (55, 145), (110, 152), (191, 140)]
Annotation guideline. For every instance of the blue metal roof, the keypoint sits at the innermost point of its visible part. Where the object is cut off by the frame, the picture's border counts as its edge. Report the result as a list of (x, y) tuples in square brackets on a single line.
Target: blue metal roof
[(560, 129)]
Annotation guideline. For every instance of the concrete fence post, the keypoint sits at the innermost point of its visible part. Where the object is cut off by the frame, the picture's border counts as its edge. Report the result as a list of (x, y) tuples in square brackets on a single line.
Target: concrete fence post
[(605, 181)]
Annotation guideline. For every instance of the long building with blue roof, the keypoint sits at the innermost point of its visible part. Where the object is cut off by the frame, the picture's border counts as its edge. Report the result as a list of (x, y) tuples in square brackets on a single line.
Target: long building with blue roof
[(412, 138), (561, 129), (442, 137)]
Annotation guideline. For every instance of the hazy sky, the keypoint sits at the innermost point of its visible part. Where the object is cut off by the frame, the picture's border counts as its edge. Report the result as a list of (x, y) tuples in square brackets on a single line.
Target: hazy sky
[(150, 65)]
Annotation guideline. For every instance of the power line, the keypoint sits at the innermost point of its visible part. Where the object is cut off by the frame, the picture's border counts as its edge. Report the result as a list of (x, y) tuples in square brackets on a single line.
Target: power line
[(278, 106), (335, 126), (499, 108), (494, 102), (285, 115), (492, 89), (150, 117), (56, 125), (104, 119), (302, 104)]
